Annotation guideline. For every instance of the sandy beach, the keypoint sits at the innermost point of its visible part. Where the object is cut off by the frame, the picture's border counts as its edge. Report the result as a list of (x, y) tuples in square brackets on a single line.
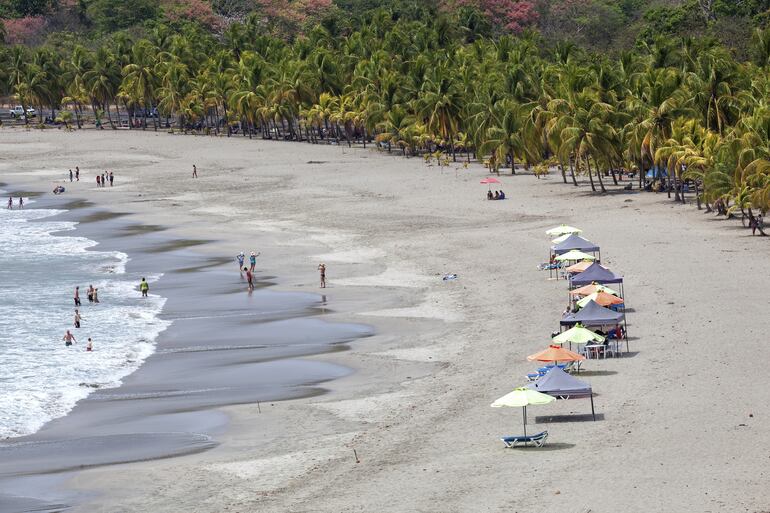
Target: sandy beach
[(682, 418)]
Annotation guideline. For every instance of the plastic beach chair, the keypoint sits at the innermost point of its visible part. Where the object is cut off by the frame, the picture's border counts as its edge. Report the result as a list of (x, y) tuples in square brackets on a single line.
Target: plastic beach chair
[(537, 440)]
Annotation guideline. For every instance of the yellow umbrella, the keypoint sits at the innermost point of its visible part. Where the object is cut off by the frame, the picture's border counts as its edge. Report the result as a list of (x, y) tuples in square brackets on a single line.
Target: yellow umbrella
[(521, 398), (562, 230)]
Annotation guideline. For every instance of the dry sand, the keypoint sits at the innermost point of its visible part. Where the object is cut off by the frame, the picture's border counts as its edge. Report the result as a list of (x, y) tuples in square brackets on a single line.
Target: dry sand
[(684, 418)]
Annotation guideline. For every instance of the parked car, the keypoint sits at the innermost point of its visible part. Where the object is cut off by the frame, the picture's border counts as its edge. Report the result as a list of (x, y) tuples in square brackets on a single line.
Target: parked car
[(18, 112)]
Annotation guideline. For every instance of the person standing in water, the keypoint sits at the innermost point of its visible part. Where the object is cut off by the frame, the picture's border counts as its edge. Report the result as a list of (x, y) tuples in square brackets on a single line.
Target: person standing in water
[(144, 287), (90, 293), (77, 296), (195, 171), (112, 178), (322, 272), (78, 318), (77, 174), (21, 202), (253, 260), (249, 278), (70, 175), (239, 258), (10, 203), (96, 295), (68, 339), (90, 345), (98, 180)]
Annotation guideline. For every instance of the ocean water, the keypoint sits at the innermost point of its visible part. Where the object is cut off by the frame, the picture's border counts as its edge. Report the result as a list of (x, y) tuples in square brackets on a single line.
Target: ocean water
[(40, 265)]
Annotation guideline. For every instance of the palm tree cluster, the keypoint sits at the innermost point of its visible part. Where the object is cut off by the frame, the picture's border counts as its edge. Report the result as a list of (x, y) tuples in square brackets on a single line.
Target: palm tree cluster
[(687, 110)]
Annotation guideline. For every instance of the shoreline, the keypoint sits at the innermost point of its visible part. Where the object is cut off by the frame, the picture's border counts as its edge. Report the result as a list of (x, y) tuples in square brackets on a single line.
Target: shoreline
[(58, 448), (417, 409)]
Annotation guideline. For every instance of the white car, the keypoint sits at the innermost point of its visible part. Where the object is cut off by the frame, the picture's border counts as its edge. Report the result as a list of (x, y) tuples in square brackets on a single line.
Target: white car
[(18, 112)]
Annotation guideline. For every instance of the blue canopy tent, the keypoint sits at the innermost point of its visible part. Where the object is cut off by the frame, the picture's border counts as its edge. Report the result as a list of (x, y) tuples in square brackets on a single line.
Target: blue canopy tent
[(593, 314), (561, 385), (596, 273), (574, 242)]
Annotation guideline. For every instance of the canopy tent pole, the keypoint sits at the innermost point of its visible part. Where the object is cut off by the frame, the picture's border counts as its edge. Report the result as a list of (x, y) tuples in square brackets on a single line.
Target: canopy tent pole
[(625, 325), (524, 410), (593, 413)]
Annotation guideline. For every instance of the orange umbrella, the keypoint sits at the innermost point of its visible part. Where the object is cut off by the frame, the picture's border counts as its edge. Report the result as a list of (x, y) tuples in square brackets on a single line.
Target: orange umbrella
[(587, 290), (579, 267), (556, 354)]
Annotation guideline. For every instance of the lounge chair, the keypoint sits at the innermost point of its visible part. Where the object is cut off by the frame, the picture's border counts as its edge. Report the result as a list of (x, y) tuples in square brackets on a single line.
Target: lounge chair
[(537, 440)]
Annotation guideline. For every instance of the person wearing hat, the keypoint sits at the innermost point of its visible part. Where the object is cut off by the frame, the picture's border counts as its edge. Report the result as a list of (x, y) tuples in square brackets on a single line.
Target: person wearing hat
[(253, 261)]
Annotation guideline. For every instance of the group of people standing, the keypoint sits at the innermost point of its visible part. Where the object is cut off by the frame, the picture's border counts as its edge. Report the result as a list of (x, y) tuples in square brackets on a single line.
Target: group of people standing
[(93, 298), (76, 175), (101, 180), (10, 202), (241, 258)]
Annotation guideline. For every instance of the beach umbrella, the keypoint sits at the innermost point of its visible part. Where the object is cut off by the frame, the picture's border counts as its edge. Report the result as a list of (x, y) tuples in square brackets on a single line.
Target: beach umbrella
[(521, 398), (560, 238), (603, 298), (587, 290), (574, 254), (579, 267), (577, 335), (556, 354), (563, 230), (489, 181)]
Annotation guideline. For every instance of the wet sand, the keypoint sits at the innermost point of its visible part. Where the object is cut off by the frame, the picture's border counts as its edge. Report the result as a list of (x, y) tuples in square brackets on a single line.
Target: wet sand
[(224, 347), (683, 422)]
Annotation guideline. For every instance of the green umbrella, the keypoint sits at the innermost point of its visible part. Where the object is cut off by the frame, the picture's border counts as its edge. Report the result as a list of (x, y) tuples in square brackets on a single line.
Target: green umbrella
[(578, 335), (521, 398), (574, 254), (562, 230)]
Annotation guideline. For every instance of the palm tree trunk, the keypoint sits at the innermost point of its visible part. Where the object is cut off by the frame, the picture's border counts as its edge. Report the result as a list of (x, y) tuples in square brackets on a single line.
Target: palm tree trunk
[(109, 115), (572, 171), (599, 175), (563, 172), (513, 163), (590, 176)]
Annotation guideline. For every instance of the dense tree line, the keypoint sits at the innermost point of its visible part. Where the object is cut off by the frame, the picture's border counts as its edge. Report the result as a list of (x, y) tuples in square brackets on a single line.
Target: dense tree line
[(685, 108)]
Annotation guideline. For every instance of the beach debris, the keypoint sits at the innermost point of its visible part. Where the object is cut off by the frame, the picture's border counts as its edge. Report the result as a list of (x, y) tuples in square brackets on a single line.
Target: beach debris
[(449, 277), (356, 456)]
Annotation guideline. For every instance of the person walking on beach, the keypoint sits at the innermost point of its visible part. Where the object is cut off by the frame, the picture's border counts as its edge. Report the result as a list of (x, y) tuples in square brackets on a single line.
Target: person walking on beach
[(144, 287), (104, 182), (253, 260), (90, 345), (195, 171), (70, 175), (10, 203), (77, 174), (77, 296), (90, 293), (112, 178), (78, 318), (240, 257), (322, 272), (249, 278), (68, 339), (98, 180)]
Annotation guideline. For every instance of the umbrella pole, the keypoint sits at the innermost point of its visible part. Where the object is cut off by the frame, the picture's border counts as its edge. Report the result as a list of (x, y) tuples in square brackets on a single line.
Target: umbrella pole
[(593, 413), (525, 420)]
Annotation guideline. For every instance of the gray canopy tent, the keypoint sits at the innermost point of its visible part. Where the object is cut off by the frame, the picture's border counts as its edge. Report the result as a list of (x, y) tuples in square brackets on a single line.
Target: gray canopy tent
[(596, 273), (574, 242), (561, 385), (593, 314)]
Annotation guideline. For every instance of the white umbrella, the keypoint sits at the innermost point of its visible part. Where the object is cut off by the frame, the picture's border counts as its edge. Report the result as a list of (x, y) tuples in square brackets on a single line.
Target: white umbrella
[(563, 230), (521, 398), (574, 254)]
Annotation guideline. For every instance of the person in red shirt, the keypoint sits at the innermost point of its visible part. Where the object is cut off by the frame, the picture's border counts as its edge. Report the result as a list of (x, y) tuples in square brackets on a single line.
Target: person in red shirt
[(249, 278)]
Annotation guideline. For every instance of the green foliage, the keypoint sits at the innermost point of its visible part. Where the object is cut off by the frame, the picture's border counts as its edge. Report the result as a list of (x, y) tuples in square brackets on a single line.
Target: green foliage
[(111, 15)]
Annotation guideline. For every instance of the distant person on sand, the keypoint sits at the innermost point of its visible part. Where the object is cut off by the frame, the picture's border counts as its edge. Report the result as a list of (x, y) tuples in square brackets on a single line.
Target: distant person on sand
[(249, 278), (502, 195), (68, 338), (70, 175), (195, 171), (77, 174), (322, 272), (253, 260), (240, 257), (77, 296), (104, 181), (144, 287), (112, 178), (90, 345), (98, 180), (78, 318)]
